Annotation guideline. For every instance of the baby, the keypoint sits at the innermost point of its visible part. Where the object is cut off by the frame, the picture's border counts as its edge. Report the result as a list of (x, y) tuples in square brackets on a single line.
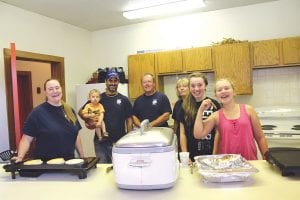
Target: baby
[(93, 114)]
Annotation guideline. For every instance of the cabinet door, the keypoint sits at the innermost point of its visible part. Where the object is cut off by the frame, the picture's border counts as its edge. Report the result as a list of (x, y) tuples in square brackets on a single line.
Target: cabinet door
[(137, 66), (266, 53), (197, 59), (232, 61), (168, 61), (291, 50)]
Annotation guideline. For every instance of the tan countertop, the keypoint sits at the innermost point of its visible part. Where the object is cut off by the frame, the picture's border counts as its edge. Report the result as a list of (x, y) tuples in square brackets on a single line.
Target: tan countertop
[(266, 184)]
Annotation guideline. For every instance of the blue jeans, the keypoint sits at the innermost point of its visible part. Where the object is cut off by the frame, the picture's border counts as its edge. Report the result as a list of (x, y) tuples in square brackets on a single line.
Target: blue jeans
[(103, 151)]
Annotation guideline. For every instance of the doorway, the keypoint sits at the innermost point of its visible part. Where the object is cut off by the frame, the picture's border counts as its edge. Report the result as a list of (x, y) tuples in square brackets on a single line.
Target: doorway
[(24, 91), (57, 72), (26, 101)]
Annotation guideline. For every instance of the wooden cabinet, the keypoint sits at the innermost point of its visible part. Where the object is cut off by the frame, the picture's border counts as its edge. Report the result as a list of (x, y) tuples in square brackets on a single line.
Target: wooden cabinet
[(197, 59), (266, 53), (291, 50), (232, 61), (138, 65), (168, 62)]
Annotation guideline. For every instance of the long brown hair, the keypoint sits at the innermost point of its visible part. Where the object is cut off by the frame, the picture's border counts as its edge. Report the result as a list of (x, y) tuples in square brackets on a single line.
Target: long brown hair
[(189, 102), (66, 108)]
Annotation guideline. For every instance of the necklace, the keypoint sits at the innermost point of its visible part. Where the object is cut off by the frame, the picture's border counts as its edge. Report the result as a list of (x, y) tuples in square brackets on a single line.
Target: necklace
[(63, 111)]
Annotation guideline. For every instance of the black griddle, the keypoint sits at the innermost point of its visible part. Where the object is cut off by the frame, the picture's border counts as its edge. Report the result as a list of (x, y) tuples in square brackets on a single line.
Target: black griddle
[(286, 159), (36, 170)]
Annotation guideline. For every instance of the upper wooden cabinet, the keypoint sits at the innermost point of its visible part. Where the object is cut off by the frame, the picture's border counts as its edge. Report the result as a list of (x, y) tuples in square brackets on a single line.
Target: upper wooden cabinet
[(197, 59), (232, 61), (291, 50), (168, 62), (138, 65), (266, 53)]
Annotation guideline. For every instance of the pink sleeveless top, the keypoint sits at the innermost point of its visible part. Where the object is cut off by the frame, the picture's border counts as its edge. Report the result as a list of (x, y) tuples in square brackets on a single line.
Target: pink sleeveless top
[(236, 135)]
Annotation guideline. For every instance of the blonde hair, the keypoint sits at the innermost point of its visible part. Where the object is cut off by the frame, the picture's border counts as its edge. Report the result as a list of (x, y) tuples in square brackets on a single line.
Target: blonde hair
[(69, 113), (225, 79), (179, 83), (189, 102), (94, 91)]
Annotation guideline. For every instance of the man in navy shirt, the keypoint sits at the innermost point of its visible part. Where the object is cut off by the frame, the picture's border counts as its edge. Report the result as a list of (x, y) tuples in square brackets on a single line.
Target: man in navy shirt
[(151, 105), (117, 117)]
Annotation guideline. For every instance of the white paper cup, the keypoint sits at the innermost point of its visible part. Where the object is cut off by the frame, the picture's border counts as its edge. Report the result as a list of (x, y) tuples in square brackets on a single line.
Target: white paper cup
[(184, 158)]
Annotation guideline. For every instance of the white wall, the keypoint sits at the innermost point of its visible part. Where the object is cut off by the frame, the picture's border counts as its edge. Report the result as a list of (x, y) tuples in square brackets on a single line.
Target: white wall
[(35, 33)]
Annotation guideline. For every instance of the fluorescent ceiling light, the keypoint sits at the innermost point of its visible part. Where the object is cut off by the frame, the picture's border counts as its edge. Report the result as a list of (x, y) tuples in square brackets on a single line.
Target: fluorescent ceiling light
[(164, 9)]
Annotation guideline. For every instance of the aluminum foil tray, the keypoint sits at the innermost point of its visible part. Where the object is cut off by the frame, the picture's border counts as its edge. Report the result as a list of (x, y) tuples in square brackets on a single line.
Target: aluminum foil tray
[(224, 168)]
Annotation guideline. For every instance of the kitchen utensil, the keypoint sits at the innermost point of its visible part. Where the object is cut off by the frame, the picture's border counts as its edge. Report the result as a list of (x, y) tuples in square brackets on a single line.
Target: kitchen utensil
[(108, 169), (36, 170), (7, 155), (286, 159), (140, 154)]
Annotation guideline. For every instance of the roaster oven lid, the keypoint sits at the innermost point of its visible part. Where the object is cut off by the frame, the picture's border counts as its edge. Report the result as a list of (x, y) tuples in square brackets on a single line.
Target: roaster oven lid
[(151, 137)]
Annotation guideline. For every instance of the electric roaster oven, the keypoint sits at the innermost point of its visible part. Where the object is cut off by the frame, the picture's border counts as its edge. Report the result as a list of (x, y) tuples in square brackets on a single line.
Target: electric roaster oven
[(146, 158), (37, 167)]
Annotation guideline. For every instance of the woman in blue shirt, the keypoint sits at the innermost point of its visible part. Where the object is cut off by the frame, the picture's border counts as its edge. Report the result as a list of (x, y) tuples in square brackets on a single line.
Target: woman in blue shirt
[(54, 126)]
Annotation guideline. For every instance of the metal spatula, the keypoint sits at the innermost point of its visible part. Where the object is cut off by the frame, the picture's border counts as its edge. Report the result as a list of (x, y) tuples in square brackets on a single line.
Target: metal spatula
[(7, 155)]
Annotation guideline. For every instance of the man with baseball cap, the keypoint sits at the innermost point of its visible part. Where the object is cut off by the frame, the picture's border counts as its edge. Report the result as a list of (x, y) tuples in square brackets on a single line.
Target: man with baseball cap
[(111, 74), (117, 116)]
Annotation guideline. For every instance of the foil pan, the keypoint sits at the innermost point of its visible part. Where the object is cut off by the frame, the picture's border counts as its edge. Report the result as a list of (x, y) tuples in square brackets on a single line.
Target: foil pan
[(224, 168)]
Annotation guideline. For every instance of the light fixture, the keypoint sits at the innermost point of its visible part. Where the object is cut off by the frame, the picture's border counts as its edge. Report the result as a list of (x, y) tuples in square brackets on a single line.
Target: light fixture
[(164, 9)]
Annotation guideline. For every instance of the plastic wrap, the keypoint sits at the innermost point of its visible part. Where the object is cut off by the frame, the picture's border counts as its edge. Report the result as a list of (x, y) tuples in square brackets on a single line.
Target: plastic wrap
[(224, 168)]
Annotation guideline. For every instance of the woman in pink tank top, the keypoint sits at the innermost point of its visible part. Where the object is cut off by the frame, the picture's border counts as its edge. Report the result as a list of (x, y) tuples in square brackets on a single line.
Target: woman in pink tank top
[(238, 125)]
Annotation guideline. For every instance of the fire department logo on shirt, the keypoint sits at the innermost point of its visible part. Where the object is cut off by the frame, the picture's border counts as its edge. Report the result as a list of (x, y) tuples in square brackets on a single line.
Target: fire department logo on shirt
[(207, 113), (119, 101), (154, 102)]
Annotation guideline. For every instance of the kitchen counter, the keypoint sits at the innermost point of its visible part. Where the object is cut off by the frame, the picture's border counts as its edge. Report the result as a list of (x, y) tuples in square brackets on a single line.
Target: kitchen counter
[(266, 184)]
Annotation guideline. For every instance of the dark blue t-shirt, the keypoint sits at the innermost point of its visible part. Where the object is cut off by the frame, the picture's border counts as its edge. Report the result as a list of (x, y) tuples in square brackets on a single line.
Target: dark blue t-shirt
[(151, 107), (117, 109), (55, 135)]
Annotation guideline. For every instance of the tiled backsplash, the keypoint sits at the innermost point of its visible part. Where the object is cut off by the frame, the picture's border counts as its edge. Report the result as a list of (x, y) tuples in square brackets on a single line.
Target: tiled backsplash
[(271, 87), (274, 87)]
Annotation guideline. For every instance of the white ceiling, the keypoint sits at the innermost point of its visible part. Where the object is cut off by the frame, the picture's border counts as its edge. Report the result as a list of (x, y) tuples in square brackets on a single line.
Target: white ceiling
[(102, 14)]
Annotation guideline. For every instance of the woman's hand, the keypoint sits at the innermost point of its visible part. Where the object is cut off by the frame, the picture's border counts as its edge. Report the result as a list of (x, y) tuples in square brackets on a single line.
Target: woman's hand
[(207, 104), (17, 159)]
